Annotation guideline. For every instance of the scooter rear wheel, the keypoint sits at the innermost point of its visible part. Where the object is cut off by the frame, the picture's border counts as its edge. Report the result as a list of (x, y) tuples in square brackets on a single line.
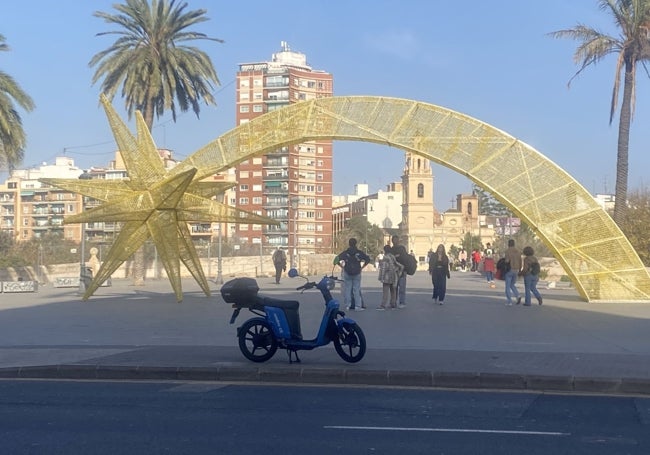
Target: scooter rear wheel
[(350, 344), (256, 340)]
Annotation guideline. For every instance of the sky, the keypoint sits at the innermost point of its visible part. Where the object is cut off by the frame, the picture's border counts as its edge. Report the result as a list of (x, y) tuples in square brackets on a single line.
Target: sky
[(493, 61)]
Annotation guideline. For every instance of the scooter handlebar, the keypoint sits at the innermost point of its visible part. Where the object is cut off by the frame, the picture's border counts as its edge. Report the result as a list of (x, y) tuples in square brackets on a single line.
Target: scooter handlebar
[(306, 286)]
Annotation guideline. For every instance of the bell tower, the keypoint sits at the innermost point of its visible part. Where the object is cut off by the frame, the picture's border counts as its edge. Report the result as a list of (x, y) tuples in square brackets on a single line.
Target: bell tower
[(416, 228)]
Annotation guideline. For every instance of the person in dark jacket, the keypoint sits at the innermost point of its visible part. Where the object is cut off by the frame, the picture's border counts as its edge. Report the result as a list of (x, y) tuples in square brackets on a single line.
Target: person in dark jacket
[(439, 271), (353, 261)]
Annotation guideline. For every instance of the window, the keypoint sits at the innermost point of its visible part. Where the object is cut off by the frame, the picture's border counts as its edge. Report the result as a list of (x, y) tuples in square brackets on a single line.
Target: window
[(257, 96), (257, 187), (243, 174), (258, 108), (243, 187), (257, 82), (257, 200), (243, 82), (420, 190), (243, 201), (257, 160), (244, 108), (244, 96)]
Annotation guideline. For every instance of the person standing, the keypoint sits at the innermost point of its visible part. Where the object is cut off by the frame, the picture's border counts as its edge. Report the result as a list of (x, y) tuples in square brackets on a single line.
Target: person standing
[(476, 258), (513, 261), (439, 271), (488, 265), (530, 271), (389, 273), (400, 254), (462, 257), (280, 263), (353, 261)]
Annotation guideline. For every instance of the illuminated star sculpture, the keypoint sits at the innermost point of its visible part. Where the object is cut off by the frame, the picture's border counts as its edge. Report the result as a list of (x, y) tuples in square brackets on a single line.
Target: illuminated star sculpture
[(152, 203)]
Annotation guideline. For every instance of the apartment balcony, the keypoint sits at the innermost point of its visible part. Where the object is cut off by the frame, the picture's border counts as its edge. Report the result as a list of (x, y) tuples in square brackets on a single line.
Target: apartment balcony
[(275, 190), (270, 230), (278, 177), (283, 151), (281, 203)]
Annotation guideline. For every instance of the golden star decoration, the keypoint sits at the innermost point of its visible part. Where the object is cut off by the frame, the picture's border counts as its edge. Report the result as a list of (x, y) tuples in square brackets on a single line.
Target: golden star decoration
[(152, 203)]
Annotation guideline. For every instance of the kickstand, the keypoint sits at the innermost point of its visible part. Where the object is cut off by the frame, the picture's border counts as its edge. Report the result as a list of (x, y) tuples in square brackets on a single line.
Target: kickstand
[(295, 353)]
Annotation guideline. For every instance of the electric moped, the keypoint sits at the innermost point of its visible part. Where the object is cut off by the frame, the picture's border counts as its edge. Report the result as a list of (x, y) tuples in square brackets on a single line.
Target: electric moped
[(278, 322)]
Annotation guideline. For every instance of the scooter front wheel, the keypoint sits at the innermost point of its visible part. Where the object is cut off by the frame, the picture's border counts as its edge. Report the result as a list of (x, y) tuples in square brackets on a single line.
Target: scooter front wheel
[(350, 344), (257, 341)]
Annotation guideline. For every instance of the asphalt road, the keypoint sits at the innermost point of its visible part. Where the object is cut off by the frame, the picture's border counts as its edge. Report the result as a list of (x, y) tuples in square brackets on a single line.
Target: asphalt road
[(74, 417)]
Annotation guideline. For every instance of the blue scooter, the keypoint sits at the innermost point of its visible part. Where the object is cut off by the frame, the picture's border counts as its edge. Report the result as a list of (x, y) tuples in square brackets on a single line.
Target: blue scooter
[(278, 322)]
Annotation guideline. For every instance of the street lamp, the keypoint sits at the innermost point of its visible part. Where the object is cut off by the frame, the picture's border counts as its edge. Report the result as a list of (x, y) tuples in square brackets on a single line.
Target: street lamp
[(219, 275), (295, 200)]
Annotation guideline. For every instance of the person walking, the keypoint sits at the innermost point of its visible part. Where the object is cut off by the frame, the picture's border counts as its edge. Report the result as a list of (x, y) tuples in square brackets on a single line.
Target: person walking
[(513, 261), (530, 271), (389, 272), (280, 263), (439, 271), (400, 254), (488, 265), (353, 261)]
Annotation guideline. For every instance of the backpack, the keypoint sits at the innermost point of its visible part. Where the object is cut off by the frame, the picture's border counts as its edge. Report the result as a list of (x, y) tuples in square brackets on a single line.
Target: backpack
[(388, 270), (410, 264), (352, 264), (534, 268)]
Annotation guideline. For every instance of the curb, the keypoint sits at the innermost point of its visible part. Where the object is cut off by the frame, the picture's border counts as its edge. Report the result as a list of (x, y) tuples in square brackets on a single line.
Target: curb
[(328, 376)]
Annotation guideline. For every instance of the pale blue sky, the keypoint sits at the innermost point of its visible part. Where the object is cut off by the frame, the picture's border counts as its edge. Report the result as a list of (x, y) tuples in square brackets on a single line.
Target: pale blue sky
[(490, 60)]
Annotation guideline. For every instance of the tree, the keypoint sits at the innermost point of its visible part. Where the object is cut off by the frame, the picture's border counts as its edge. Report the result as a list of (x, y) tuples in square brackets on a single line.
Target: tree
[(631, 46), (12, 136), (153, 66), (488, 205), (635, 223), (149, 62)]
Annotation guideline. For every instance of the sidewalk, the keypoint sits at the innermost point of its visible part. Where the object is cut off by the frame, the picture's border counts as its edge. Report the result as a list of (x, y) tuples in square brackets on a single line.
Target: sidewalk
[(474, 340)]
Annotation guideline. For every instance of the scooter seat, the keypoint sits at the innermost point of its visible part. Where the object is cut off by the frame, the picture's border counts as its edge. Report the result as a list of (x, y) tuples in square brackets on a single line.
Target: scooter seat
[(279, 303)]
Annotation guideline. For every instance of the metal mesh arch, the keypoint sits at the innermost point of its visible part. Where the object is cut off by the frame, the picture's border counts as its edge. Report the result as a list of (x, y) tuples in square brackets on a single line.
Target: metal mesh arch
[(592, 249)]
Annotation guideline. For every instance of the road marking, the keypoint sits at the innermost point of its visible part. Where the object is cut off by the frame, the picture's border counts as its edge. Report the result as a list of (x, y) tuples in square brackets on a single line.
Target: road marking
[(450, 430)]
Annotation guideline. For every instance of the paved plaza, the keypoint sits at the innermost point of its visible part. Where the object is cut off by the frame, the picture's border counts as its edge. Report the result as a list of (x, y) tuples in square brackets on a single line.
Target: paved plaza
[(473, 341)]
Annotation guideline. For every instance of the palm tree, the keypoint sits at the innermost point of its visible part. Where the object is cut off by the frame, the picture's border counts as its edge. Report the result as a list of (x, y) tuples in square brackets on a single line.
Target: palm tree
[(12, 135), (631, 46), (154, 66), (149, 62)]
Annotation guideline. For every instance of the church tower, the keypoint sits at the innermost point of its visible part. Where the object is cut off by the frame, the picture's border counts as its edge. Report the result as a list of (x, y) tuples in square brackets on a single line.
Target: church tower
[(416, 228)]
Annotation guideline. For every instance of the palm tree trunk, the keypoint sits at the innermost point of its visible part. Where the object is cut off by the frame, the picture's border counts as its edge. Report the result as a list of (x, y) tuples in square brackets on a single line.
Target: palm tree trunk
[(623, 145)]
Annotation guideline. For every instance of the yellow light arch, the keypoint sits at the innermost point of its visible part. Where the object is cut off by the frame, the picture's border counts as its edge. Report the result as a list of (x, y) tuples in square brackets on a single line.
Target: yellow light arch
[(594, 252)]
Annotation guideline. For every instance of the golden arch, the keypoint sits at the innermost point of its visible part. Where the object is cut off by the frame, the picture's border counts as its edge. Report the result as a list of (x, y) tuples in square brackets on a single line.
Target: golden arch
[(594, 252)]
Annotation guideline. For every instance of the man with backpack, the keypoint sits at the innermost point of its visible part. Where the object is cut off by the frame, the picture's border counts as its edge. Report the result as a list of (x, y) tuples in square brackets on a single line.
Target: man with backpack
[(353, 261)]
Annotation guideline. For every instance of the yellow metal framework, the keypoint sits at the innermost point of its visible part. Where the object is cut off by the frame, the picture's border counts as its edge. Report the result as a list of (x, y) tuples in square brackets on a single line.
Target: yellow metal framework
[(153, 203), (592, 249), (158, 203)]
